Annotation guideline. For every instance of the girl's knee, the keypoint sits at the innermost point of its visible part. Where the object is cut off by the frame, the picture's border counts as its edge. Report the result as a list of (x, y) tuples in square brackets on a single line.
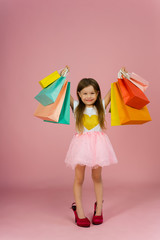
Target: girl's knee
[(79, 180), (96, 175), (79, 174), (96, 178)]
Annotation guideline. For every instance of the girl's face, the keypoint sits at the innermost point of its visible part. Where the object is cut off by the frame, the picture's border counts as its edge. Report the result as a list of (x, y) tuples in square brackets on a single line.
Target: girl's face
[(88, 95)]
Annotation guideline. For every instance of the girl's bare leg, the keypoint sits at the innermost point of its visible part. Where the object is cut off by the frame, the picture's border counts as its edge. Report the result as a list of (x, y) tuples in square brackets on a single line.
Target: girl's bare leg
[(77, 189), (98, 188)]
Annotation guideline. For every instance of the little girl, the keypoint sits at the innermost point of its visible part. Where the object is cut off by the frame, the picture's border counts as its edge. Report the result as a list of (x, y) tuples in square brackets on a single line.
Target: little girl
[(90, 146)]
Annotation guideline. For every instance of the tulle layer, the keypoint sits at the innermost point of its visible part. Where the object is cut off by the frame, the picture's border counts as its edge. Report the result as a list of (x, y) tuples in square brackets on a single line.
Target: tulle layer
[(92, 149)]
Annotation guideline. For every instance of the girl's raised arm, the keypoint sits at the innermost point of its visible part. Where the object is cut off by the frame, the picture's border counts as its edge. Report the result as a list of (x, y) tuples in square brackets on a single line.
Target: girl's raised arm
[(107, 98), (63, 72), (71, 101)]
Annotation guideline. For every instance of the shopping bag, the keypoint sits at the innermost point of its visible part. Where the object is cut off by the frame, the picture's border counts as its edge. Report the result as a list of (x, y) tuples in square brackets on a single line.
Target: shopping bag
[(65, 112), (127, 114), (45, 82), (52, 111), (49, 94), (138, 81), (114, 110), (132, 95)]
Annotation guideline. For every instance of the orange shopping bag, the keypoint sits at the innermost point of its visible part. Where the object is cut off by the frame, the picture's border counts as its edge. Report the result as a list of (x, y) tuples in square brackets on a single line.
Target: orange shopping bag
[(132, 95), (127, 114)]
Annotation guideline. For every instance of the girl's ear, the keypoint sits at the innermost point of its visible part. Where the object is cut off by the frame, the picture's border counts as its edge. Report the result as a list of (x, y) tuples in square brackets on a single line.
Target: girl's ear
[(79, 94)]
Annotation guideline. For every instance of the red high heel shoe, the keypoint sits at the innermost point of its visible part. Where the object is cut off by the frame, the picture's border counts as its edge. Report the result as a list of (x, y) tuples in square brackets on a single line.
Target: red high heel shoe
[(82, 222), (96, 220)]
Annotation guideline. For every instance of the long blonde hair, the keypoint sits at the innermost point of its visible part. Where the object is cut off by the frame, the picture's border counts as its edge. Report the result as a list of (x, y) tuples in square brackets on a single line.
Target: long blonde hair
[(85, 82)]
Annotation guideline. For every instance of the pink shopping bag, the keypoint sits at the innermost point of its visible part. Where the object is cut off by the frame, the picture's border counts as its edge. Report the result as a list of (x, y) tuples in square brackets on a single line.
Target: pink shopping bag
[(139, 81)]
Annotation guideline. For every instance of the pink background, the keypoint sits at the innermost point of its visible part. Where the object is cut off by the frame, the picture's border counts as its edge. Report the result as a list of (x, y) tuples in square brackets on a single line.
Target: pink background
[(95, 38)]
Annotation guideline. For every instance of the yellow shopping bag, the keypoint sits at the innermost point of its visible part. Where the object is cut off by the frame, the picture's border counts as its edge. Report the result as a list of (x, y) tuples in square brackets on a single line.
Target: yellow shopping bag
[(127, 114), (45, 82), (114, 110)]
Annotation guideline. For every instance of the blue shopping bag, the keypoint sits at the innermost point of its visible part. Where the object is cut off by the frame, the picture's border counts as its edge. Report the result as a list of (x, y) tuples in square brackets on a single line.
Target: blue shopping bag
[(49, 94)]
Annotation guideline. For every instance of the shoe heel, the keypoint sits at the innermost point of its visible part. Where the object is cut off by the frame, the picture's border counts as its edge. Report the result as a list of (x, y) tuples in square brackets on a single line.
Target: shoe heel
[(73, 207)]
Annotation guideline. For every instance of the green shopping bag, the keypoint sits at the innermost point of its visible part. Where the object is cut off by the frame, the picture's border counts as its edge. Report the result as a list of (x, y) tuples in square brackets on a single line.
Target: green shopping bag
[(64, 117), (49, 94)]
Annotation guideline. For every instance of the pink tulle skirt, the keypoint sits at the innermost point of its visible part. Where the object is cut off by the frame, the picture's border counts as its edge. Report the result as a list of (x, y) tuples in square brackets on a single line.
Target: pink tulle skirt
[(92, 149)]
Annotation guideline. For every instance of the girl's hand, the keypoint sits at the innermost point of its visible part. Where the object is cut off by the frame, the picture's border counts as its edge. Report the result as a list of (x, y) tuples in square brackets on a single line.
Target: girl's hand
[(65, 71), (125, 73), (67, 67), (124, 69)]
